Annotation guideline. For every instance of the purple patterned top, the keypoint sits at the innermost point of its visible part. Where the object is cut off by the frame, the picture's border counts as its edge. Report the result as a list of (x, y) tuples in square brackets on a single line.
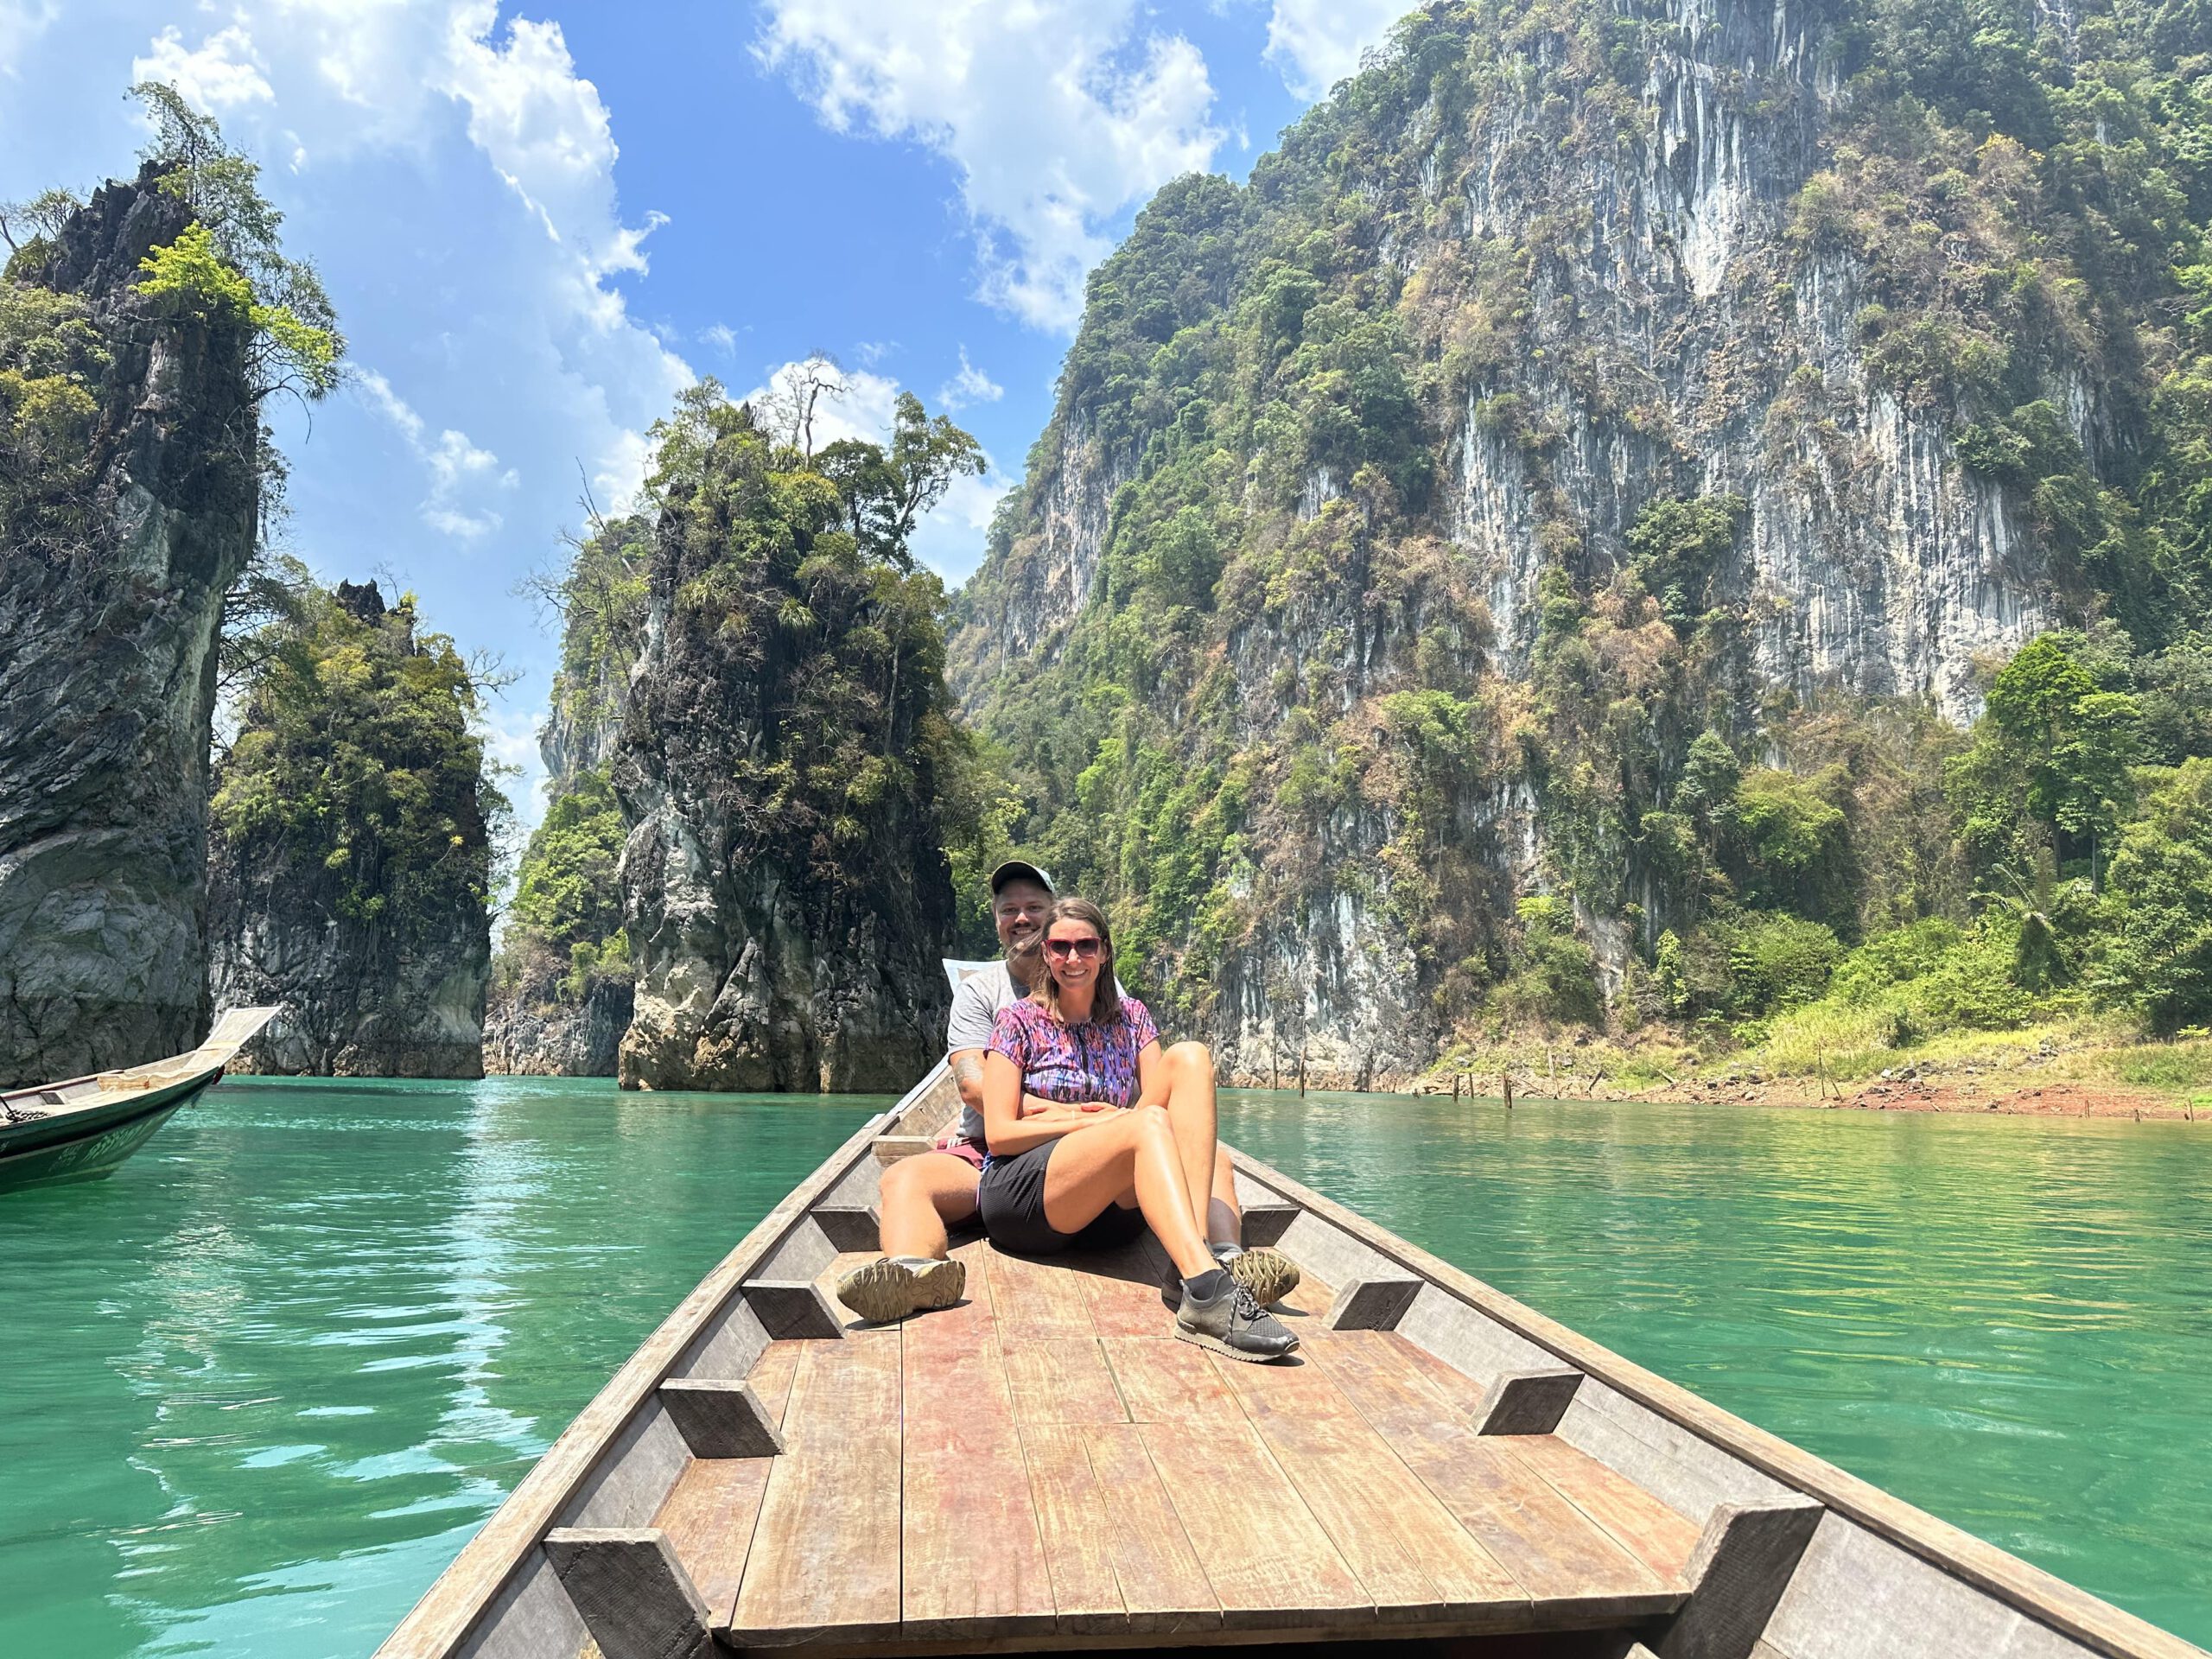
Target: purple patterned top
[(1088, 1060)]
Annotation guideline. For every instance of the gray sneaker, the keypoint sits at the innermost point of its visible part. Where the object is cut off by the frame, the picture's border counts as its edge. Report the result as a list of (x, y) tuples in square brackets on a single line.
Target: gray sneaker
[(1234, 1324), (1268, 1273), (884, 1290)]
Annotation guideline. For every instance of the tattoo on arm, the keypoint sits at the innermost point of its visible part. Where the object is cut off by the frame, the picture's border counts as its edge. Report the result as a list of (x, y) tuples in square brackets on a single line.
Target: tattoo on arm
[(968, 1073)]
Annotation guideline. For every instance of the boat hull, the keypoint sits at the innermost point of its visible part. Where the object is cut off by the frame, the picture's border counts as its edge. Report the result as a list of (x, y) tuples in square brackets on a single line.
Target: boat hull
[(87, 1145)]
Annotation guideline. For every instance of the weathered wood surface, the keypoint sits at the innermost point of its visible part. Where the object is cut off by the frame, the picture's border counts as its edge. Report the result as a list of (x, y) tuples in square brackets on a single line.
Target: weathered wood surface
[(1065, 1469), (2025, 1594), (1043, 1466)]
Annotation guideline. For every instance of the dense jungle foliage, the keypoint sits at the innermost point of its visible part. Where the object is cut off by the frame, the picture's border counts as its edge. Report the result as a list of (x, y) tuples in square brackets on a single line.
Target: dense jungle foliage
[(1269, 376), (356, 774), (795, 609)]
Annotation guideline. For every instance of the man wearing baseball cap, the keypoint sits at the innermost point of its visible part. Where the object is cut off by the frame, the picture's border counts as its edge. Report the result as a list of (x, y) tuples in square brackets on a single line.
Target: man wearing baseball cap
[(924, 1195)]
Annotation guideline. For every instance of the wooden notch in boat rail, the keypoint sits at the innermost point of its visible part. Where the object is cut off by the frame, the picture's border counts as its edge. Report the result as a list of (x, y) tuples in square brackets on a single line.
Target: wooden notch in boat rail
[(1736, 1574), (720, 1417), (630, 1591), (1528, 1402)]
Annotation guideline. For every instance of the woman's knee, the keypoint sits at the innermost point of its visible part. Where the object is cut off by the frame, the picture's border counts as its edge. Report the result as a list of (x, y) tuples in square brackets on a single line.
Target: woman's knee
[(1195, 1056), (1149, 1120)]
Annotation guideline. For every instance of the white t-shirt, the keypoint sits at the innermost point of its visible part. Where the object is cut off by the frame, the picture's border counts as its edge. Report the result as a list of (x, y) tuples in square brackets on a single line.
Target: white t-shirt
[(976, 1004), (976, 1007)]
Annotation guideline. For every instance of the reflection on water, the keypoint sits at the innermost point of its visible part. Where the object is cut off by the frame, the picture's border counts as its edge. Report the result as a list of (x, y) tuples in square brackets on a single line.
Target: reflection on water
[(268, 1377), (273, 1372), (2004, 1321)]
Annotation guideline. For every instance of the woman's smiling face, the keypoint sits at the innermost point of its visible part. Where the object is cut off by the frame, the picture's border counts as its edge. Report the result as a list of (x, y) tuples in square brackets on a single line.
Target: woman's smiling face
[(1073, 953)]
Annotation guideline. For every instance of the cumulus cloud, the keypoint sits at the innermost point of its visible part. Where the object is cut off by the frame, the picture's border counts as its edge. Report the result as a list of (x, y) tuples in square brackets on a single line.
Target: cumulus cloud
[(969, 387), (22, 22), (456, 467), (1057, 114), (219, 72), (1313, 44)]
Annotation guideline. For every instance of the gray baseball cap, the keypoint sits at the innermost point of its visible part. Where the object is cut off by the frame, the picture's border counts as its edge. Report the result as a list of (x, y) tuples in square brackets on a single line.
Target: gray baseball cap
[(1015, 870)]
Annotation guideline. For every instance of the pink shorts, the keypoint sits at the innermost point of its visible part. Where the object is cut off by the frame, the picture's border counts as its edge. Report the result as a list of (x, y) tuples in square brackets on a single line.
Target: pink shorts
[(966, 1150)]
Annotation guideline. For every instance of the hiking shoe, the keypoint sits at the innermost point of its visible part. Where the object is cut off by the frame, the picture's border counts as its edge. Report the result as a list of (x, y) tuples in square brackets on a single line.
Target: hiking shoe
[(887, 1289), (1232, 1323), (1268, 1273)]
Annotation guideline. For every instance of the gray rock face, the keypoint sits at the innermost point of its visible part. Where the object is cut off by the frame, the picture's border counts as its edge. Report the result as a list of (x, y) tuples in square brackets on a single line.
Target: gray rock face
[(107, 666), (774, 948), (358, 1002), (541, 1032)]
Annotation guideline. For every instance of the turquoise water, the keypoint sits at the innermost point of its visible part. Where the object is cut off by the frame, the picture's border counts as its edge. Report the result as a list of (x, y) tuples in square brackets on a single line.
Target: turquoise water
[(266, 1380)]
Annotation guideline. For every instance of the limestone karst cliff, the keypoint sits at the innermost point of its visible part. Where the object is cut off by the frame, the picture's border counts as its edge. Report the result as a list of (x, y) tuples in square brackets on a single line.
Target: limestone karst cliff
[(128, 491), (1580, 382), (783, 760), (350, 864), (560, 994)]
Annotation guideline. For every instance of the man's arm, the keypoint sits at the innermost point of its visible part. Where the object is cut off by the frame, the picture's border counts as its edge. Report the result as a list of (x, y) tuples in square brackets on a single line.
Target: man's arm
[(968, 1073)]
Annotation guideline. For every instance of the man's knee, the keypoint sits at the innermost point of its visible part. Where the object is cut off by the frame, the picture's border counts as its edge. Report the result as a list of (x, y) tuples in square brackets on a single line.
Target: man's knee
[(902, 1181)]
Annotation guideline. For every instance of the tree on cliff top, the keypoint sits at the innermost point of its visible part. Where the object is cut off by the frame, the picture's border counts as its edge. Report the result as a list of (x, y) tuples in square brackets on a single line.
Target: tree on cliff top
[(357, 769)]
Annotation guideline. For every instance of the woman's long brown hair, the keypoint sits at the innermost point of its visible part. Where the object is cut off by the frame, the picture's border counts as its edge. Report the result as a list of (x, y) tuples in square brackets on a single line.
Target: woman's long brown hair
[(1105, 999)]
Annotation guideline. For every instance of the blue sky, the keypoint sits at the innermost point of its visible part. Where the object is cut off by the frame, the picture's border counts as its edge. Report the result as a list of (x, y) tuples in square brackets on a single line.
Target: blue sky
[(538, 223)]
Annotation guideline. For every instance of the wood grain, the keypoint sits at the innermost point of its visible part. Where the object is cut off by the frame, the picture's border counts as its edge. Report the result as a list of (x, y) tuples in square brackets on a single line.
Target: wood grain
[(1166, 1381), (1038, 1301), (1163, 1585), (1267, 1560), (709, 1519), (1064, 1380), (770, 1377), (1639, 1523), (973, 1563), (1077, 1535), (825, 1552)]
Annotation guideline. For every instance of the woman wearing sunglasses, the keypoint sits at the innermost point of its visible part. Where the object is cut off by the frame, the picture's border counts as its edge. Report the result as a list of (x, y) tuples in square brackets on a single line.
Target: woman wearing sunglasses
[(1082, 1113)]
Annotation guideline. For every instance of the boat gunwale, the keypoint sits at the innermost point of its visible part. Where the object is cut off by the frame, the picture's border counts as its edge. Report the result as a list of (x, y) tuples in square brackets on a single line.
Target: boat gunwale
[(81, 1118), (449, 1611), (2042, 1596)]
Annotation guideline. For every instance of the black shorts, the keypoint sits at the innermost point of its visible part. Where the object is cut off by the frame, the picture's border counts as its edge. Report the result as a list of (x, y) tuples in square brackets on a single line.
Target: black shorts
[(1011, 1197)]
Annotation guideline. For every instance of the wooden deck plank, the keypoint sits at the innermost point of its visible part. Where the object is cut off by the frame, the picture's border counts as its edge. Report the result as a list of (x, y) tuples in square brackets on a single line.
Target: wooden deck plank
[(1121, 1288), (1552, 1550), (1077, 1535), (1656, 1535), (1164, 1381), (709, 1518), (1064, 1381), (1267, 1560), (1163, 1583), (1037, 1301), (973, 1563), (1413, 1558), (770, 1377), (825, 1553)]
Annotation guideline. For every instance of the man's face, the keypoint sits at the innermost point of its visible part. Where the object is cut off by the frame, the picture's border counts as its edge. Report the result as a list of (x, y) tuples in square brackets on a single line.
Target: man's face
[(1019, 911)]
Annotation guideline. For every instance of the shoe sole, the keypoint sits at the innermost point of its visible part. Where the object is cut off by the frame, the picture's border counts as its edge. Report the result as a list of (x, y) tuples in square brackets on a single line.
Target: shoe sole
[(1268, 1273), (1216, 1345), (883, 1292)]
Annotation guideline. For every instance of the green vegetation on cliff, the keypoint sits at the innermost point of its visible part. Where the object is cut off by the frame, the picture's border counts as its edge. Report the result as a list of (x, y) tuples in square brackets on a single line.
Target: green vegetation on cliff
[(1281, 693), (358, 768)]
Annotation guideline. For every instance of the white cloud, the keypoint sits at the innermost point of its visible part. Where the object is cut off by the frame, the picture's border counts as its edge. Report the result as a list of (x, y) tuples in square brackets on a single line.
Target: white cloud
[(457, 468), (1058, 115), (721, 336), (219, 73), (969, 387), (1313, 44), (21, 21)]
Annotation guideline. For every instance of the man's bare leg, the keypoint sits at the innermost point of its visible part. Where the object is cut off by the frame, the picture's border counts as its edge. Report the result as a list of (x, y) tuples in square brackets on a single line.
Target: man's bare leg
[(918, 1197)]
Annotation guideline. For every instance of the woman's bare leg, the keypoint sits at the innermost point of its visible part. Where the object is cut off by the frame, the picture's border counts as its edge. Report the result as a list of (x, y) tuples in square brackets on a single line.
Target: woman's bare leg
[(919, 1196), (1187, 1079), (1099, 1165)]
